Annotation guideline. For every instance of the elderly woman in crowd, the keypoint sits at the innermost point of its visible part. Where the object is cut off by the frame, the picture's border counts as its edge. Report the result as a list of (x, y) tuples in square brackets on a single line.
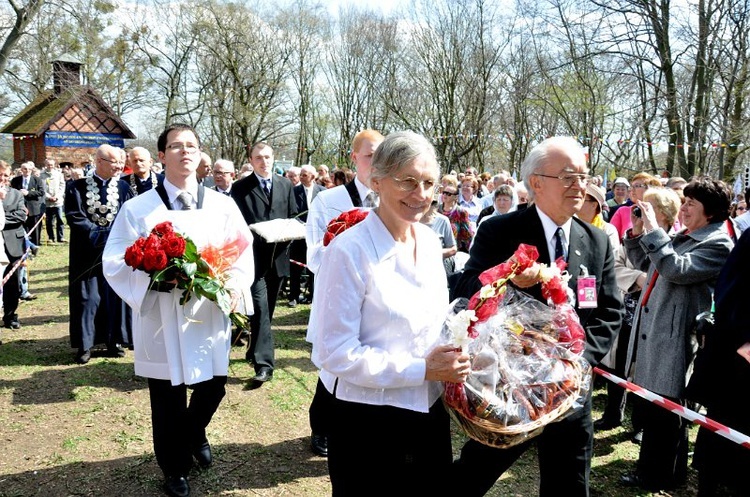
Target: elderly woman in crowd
[(502, 202), (682, 273), (378, 335), (591, 212), (469, 199), (463, 229), (630, 280)]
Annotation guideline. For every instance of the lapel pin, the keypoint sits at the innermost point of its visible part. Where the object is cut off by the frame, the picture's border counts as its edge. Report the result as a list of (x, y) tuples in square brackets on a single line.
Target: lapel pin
[(578, 253)]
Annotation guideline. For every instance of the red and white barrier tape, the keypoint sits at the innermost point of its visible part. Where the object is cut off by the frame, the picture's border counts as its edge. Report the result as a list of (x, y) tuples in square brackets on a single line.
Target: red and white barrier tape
[(690, 415), (16, 266), (298, 263), (28, 233)]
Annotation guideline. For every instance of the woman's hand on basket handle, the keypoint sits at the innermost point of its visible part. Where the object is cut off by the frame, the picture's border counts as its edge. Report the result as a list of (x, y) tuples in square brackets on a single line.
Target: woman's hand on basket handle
[(447, 363)]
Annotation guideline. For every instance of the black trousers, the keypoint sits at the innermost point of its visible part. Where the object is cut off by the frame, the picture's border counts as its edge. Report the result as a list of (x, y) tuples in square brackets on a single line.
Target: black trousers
[(383, 450), (54, 224), (663, 458), (179, 427), (35, 234), (264, 291), (11, 292), (298, 252), (321, 410), (565, 449)]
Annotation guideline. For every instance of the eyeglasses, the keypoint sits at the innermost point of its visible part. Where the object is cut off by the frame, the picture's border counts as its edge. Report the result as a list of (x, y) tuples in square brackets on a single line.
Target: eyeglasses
[(410, 184), (218, 173), (450, 194), (112, 161), (639, 186), (569, 179), (179, 147)]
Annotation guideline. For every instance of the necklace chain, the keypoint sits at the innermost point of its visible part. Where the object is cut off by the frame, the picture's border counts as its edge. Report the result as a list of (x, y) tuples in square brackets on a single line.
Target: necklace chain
[(133, 186), (102, 214)]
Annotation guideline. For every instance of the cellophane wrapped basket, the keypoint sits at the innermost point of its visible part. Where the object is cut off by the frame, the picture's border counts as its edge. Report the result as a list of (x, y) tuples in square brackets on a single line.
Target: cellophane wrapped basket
[(526, 364)]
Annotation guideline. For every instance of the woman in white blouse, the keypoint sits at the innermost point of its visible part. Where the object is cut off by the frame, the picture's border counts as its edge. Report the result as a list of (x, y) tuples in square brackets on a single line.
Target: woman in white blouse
[(378, 318)]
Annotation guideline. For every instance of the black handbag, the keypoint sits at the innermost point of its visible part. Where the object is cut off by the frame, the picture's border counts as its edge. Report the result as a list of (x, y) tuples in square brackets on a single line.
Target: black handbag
[(701, 383)]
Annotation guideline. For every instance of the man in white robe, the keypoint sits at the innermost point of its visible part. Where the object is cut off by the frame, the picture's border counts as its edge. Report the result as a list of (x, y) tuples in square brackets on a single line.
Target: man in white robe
[(178, 346)]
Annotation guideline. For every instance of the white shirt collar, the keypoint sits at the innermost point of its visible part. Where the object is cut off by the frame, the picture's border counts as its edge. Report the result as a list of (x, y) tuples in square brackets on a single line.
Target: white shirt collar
[(173, 191), (550, 228), (362, 189)]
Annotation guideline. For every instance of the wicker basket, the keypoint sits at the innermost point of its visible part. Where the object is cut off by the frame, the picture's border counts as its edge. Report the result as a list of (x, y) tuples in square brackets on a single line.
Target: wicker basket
[(492, 432)]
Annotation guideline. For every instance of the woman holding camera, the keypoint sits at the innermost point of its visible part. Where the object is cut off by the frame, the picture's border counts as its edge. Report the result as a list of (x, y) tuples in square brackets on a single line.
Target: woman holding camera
[(682, 273)]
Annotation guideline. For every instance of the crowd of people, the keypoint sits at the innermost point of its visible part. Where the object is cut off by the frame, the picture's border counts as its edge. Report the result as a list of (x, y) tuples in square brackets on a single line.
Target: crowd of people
[(661, 251)]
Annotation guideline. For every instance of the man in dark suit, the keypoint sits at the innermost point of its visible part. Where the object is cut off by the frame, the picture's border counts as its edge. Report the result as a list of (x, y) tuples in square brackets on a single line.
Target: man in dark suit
[(33, 195), (555, 174), (142, 179), (97, 313), (264, 196), (304, 193), (13, 237)]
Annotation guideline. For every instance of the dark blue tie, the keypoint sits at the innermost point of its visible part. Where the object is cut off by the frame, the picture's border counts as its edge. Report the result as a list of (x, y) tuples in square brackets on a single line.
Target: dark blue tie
[(267, 187), (558, 244)]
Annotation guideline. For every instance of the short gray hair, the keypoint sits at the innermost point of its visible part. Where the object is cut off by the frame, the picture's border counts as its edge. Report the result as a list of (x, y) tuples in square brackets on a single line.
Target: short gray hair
[(225, 164), (399, 150), (537, 158)]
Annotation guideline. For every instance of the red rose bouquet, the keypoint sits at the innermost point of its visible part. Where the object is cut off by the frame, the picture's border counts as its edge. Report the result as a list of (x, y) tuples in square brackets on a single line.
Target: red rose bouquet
[(343, 222), (527, 370), (171, 258)]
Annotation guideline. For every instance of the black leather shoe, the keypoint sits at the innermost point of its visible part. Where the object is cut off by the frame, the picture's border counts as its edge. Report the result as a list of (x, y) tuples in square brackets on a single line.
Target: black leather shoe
[(260, 378), (636, 480), (203, 455), (13, 325), (116, 351), (319, 445), (83, 356), (176, 486), (604, 424)]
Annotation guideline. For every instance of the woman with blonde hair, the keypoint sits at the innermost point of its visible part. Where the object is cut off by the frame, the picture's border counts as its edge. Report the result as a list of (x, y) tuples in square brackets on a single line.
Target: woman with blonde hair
[(619, 217)]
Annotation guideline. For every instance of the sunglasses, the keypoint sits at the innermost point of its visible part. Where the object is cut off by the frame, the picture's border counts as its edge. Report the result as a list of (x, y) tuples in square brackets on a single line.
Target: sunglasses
[(450, 194)]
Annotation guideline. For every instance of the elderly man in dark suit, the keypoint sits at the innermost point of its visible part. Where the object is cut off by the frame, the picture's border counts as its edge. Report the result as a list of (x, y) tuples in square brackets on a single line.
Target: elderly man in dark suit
[(97, 314), (555, 174), (32, 189), (304, 193), (264, 196), (13, 237)]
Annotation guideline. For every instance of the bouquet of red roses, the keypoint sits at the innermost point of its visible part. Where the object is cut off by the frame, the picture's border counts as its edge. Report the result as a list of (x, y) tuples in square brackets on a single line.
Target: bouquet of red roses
[(526, 370), (171, 258), (343, 222)]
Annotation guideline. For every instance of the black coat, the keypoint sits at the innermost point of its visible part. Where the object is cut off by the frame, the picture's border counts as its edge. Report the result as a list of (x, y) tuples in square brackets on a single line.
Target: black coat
[(301, 198), (35, 196), (498, 238), (13, 232), (256, 208)]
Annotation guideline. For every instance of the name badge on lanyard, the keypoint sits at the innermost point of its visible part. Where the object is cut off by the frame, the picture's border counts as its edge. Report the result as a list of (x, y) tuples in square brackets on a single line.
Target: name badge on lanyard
[(586, 290)]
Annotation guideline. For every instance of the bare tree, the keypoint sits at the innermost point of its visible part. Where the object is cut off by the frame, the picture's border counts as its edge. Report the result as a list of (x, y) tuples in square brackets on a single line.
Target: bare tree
[(23, 14)]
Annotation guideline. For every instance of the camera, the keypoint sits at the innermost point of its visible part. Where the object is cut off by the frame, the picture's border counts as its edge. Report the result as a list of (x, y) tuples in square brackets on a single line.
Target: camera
[(637, 212)]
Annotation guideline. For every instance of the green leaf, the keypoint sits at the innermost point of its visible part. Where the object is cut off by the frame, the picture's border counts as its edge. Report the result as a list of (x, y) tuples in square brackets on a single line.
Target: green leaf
[(189, 269)]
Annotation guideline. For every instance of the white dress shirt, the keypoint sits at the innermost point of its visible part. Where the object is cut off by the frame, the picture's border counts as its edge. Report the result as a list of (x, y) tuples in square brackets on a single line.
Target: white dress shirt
[(377, 316), (550, 228)]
